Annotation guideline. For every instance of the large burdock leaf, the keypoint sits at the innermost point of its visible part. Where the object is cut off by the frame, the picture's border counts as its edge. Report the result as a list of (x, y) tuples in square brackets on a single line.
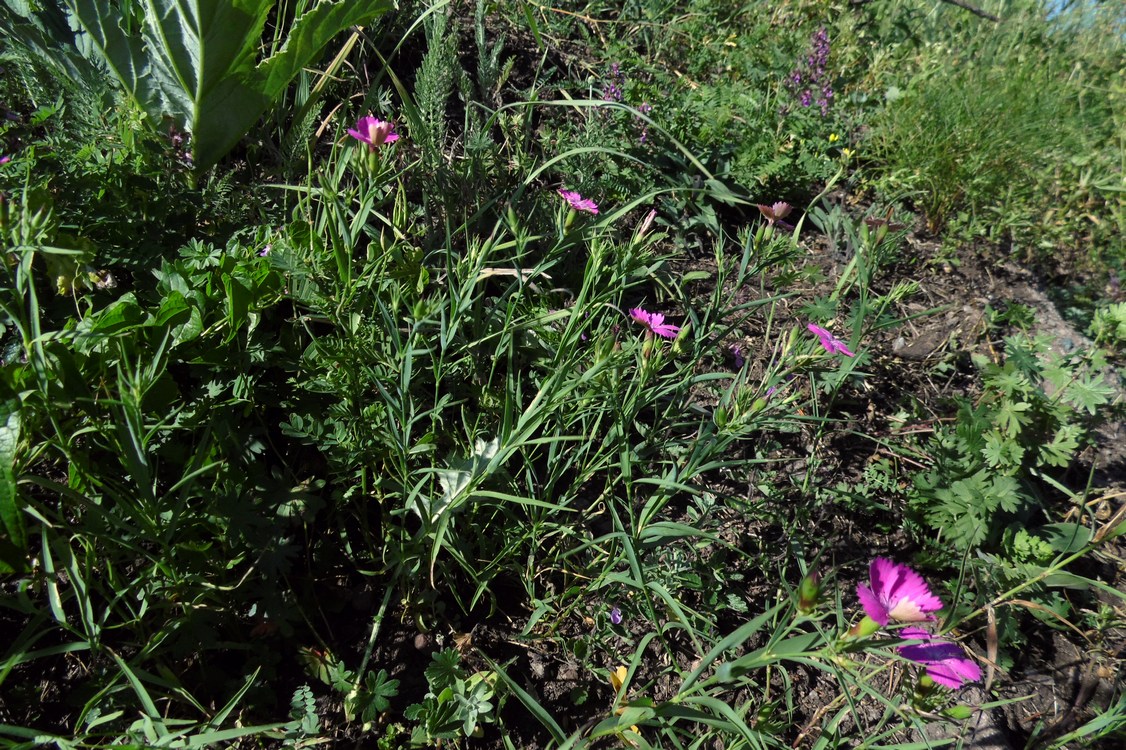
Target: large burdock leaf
[(196, 61)]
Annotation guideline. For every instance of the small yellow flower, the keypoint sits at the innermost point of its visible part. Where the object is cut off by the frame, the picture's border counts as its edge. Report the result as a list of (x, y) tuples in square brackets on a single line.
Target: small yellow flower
[(833, 137), (848, 153), (617, 679)]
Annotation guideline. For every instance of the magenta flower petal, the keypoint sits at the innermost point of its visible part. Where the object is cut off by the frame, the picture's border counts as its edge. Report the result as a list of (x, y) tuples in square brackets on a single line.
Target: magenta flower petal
[(663, 329), (872, 605), (5, 159), (829, 342), (374, 132), (654, 323), (952, 673), (897, 593), (774, 212), (946, 662), (579, 203)]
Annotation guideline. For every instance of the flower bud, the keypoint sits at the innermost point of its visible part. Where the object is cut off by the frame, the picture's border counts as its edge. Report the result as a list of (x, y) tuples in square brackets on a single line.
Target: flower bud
[(924, 689), (809, 591), (864, 628), (681, 341), (959, 712), (646, 223)]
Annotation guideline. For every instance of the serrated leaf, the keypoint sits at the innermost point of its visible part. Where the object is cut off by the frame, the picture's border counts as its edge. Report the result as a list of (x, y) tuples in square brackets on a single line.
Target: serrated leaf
[(1000, 451), (380, 690), (1005, 492), (1012, 416), (1088, 393), (1062, 447), (443, 670)]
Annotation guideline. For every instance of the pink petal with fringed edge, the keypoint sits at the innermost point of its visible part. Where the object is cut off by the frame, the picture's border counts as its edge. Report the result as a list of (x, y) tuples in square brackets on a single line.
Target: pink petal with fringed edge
[(911, 597), (953, 672), (873, 607), (946, 662)]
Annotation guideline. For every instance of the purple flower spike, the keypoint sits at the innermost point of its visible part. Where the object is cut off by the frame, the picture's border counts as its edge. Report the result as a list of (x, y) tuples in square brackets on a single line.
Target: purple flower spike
[(373, 132), (897, 593), (811, 74), (579, 203), (946, 662), (832, 344), (616, 616), (654, 323)]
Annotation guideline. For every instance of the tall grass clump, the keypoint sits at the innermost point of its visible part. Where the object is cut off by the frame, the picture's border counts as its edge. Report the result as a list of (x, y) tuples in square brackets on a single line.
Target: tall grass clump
[(994, 119)]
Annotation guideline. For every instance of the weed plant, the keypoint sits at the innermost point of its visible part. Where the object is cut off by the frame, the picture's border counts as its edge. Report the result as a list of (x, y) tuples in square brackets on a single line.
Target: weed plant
[(528, 380)]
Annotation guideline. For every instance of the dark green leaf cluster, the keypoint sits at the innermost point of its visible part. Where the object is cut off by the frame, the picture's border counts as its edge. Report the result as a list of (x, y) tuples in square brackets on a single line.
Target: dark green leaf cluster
[(1033, 416), (454, 706)]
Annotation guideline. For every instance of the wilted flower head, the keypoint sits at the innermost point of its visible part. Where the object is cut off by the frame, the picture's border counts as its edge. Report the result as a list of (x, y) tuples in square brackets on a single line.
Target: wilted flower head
[(946, 662), (578, 203), (775, 212), (374, 132), (654, 323), (832, 344), (876, 222), (897, 593)]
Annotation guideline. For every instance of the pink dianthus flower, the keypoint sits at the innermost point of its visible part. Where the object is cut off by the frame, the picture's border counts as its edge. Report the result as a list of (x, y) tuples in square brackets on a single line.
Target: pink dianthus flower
[(832, 344), (374, 132), (896, 593), (774, 212), (579, 203), (654, 323)]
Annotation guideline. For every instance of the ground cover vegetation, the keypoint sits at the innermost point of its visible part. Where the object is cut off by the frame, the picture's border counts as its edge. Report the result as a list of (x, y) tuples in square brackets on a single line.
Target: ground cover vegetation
[(513, 374)]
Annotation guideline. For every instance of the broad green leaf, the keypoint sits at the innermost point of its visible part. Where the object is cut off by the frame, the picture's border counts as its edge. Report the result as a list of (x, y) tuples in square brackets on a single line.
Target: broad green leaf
[(120, 315), (120, 46), (1066, 538), (11, 518), (174, 309), (196, 60), (308, 36), (456, 479), (238, 305)]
